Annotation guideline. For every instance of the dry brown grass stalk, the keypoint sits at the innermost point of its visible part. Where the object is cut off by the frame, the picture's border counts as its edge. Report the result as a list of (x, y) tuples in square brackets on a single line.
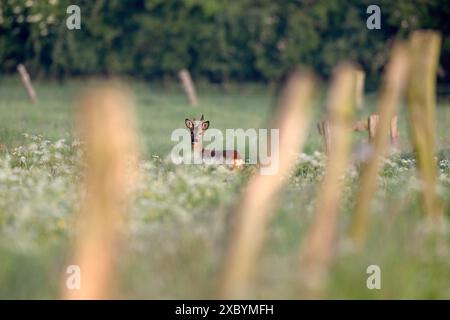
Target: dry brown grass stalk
[(425, 48), (259, 197), (318, 246), (393, 87), (106, 125)]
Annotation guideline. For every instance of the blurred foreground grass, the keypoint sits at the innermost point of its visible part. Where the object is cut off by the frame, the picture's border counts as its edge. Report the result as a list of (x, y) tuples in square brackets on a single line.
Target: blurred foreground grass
[(177, 226)]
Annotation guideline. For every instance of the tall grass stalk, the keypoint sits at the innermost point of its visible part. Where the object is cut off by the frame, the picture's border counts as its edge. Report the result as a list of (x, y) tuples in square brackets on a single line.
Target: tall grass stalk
[(425, 48), (391, 93), (318, 246), (106, 126), (258, 199)]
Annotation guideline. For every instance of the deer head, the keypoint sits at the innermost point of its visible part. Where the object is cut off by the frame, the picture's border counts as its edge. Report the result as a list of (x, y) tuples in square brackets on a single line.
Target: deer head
[(197, 128)]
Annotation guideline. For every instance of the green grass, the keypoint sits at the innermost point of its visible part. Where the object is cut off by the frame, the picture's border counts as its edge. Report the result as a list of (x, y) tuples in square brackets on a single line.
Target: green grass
[(159, 111), (179, 221)]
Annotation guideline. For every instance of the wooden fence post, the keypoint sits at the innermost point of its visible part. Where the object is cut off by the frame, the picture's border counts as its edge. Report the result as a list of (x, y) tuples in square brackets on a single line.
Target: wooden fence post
[(25, 77), (359, 85), (372, 123), (258, 199), (325, 132), (395, 135), (188, 86)]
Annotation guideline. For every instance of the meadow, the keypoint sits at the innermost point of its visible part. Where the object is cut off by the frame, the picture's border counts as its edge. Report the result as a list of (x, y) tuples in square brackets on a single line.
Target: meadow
[(177, 225)]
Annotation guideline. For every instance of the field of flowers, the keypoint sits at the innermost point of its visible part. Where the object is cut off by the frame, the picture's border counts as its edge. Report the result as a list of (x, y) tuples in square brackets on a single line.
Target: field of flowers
[(177, 225)]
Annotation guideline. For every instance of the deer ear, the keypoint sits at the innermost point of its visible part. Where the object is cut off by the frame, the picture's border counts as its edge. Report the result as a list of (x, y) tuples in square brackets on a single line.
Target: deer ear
[(188, 123), (205, 125), (202, 118)]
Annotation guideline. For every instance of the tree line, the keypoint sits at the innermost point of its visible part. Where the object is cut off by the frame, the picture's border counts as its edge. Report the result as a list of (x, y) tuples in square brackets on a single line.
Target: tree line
[(217, 40)]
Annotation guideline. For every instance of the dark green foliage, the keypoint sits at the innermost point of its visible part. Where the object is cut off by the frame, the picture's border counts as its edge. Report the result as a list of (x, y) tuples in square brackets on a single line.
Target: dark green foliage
[(218, 40)]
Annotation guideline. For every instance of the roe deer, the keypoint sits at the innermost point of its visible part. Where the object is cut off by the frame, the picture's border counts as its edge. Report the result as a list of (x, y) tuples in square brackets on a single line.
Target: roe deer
[(197, 128)]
